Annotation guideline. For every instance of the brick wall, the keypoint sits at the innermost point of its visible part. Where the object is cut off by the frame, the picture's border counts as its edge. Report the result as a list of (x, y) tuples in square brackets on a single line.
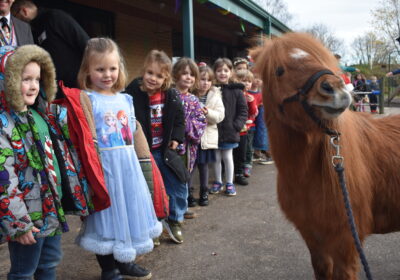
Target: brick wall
[(136, 37)]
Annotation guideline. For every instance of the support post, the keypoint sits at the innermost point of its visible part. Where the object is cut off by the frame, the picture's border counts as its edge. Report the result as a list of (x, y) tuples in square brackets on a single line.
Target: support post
[(187, 21)]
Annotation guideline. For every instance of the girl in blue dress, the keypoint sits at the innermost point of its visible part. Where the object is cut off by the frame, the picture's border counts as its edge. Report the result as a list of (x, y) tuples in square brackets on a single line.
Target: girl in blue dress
[(126, 229)]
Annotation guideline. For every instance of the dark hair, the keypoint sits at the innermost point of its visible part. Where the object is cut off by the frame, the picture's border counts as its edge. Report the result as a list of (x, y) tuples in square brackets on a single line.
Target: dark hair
[(181, 65), (19, 4), (221, 62)]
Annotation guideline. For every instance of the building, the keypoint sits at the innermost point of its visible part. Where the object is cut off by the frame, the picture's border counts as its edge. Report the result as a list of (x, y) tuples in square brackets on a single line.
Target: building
[(201, 29)]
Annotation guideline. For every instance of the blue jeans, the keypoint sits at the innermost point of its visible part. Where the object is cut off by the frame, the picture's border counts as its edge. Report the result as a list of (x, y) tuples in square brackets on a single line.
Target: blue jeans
[(39, 259), (176, 190)]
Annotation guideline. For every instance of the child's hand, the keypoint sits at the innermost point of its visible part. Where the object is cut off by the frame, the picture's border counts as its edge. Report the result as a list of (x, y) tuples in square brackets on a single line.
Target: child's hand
[(173, 145), (27, 238), (104, 139), (205, 111)]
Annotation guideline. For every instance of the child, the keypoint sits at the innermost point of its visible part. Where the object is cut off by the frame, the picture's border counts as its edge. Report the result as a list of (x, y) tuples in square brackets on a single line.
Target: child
[(123, 231), (246, 135), (240, 63), (40, 178), (186, 76), (229, 129), (211, 100), (260, 142), (159, 110), (373, 86)]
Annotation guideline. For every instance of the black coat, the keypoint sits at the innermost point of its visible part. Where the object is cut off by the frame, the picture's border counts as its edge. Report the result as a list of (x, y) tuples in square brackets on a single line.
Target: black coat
[(58, 33), (173, 119), (235, 113)]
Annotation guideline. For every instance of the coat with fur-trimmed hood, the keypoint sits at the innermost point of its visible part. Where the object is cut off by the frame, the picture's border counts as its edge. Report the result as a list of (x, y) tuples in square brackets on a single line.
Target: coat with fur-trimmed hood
[(33, 191), (13, 71)]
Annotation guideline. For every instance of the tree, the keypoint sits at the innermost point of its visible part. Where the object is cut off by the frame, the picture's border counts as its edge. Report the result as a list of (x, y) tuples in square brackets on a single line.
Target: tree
[(386, 21), (326, 36), (277, 8), (370, 50)]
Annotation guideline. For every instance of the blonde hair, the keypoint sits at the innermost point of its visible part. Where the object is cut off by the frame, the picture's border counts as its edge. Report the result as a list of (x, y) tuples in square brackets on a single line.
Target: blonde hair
[(96, 47), (181, 65), (205, 69), (243, 74), (165, 64)]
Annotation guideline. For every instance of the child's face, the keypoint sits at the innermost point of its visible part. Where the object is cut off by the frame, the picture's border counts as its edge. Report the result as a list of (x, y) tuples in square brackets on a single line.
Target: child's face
[(205, 82), (247, 84), (186, 80), (241, 66), (223, 74), (30, 83), (103, 72), (257, 83), (153, 78)]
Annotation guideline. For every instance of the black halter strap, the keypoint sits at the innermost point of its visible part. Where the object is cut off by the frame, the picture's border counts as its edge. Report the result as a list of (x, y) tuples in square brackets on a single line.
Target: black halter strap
[(309, 110)]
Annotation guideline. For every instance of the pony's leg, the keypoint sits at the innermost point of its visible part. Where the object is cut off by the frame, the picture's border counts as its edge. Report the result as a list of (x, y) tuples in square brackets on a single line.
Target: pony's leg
[(321, 261), (345, 262), (322, 265)]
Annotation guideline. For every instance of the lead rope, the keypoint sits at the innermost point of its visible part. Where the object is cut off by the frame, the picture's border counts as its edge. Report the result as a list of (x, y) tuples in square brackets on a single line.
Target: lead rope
[(337, 161)]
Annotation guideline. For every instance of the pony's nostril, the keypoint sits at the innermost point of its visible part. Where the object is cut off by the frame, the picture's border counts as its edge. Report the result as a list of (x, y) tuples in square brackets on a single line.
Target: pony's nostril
[(327, 87)]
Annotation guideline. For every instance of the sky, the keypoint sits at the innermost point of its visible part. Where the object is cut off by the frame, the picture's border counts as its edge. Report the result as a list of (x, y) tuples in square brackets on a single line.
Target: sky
[(346, 19)]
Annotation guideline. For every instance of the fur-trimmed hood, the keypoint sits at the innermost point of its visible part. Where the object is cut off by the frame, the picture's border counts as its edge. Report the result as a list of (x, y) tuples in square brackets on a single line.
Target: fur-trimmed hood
[(13, 72)]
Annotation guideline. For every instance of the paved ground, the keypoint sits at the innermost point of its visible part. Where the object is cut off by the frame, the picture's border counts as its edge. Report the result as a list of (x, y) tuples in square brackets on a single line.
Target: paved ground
[(244, 237)]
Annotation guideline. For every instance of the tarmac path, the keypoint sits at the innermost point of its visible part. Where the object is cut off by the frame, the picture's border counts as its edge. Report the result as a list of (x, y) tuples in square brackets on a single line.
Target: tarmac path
[(242, 237)]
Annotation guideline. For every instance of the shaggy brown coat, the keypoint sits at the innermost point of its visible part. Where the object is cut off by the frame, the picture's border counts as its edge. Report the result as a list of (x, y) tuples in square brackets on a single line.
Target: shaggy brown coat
[(308, 188)]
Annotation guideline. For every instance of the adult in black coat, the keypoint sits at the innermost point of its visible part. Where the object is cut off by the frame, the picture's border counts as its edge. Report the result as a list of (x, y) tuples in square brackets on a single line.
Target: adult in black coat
[(59, 34)]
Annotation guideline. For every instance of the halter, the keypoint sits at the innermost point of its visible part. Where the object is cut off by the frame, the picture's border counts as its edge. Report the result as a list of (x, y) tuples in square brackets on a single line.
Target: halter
[(309, 110)]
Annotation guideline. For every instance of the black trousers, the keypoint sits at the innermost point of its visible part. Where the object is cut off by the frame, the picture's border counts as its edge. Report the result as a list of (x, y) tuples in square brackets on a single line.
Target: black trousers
[(239, 155)]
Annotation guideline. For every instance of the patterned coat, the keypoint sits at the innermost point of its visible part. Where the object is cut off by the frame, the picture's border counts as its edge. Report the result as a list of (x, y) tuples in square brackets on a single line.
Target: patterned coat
[(29, 188), (195, 124)]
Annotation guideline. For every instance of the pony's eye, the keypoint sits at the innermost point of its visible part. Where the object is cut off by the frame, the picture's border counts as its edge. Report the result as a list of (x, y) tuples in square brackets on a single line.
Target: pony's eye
[(279, 71)]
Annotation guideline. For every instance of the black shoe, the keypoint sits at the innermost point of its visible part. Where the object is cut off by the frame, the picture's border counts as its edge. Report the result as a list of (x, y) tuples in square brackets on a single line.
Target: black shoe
[(133, 271), (241, 180), (191, 201), (203, 200), (111, 275)]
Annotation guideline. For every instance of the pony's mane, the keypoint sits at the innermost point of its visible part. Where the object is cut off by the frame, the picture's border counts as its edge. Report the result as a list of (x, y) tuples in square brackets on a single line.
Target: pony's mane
[(275, 53)]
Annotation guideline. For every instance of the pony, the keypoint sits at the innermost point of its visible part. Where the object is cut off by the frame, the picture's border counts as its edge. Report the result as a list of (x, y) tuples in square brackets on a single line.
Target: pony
[(297, 112)]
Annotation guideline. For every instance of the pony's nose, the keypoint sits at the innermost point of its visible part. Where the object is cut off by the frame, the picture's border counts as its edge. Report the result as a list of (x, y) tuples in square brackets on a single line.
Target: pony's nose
[(327, 87)]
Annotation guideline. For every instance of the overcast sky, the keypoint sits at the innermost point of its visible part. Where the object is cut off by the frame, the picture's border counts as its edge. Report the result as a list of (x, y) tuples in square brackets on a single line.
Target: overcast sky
[(346, 19)]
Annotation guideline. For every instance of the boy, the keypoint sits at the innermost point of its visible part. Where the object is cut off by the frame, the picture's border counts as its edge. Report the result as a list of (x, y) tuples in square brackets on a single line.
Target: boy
[(38, 170)]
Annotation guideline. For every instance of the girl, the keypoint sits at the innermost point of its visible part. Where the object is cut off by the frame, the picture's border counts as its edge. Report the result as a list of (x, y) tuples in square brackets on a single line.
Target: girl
[(211, 100), (240, 63), (40, 177), (186, 75), (228, 130), (123, 231), (159, 110), (242, 163)]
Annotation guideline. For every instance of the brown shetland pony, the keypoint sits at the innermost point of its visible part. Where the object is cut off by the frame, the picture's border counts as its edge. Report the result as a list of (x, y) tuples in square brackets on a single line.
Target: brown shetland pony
[(308, 189)]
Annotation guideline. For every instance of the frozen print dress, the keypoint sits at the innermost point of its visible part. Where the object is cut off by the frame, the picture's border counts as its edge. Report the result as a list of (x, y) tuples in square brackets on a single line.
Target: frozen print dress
[(126, 228)]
